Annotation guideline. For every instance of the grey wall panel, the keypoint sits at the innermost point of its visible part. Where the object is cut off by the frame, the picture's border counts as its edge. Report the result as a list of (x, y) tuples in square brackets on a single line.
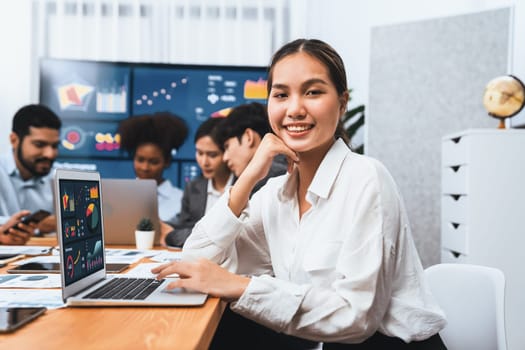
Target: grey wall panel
[(427, 80)]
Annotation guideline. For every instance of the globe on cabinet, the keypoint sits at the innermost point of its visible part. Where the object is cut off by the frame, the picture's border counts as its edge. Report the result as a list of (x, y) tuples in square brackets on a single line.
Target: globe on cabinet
[(504, 97)]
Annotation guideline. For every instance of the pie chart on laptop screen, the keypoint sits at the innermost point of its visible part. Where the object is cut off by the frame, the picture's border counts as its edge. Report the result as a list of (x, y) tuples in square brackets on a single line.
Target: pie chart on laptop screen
[(92, 217)]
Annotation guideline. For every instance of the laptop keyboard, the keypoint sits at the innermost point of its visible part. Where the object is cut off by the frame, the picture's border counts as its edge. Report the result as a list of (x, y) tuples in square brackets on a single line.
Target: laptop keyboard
[(126, 289)]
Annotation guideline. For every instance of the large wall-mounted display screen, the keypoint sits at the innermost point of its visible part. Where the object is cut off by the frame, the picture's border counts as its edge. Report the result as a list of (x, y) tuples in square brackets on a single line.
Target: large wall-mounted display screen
[(86, 90), (93, 97), (194, 93)]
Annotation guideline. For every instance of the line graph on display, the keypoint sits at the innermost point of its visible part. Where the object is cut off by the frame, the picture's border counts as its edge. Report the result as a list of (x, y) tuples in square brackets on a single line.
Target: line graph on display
[(94, 258)]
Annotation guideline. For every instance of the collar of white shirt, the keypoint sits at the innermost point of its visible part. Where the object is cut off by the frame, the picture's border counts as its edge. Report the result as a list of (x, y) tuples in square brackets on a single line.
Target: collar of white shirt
[(212, 191), (165, 189), (324, 178)]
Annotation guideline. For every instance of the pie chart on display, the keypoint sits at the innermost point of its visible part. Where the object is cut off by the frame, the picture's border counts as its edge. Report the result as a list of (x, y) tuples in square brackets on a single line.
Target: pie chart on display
[(92, 217), (73, 138)]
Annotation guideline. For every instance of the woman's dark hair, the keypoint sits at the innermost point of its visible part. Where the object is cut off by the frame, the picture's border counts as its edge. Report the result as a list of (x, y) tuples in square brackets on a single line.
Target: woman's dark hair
[(325, 54), (166, 130), (211, 128)]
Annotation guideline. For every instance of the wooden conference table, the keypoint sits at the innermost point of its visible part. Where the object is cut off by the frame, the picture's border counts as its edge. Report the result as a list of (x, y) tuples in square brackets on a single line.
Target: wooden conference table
[(117, 327)]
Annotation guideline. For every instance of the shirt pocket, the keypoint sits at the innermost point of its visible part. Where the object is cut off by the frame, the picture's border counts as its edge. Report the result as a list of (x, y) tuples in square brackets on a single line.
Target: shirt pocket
[(322, 257)]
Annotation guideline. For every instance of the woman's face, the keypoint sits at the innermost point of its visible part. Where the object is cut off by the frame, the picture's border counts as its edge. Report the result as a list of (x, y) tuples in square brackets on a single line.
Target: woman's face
[(149, 163), (209, 157), (304, 107)]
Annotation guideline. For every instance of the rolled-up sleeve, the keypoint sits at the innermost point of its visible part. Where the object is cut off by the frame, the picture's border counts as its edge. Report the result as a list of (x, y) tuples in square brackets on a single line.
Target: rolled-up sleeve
[(219, 236)]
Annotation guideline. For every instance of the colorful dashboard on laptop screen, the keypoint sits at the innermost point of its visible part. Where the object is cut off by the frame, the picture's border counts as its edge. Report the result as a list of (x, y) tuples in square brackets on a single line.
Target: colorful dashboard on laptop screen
[(81, 228)]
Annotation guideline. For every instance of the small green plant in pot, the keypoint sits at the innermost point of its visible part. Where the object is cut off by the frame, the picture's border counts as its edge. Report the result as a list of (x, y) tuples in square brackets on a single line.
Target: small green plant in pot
[(144, 234), (145, 224)]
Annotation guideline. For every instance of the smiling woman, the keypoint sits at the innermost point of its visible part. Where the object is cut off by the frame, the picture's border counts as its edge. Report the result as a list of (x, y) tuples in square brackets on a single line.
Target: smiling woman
[(323, 253), (304, 114)]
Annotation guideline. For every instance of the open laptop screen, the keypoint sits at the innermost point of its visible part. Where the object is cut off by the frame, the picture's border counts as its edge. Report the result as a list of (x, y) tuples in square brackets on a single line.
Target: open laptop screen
[(81, 228)]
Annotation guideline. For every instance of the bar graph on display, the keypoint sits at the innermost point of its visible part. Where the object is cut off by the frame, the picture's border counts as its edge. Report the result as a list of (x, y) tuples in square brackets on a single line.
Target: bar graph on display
[(94, 259)]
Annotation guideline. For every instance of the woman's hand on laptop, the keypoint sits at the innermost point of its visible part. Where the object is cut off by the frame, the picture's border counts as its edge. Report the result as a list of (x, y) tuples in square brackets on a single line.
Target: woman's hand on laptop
[(204, 276)]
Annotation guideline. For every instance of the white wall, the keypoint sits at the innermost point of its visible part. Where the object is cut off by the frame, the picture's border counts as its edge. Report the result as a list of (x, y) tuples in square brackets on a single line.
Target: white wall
[(346, 26), (15, 63)]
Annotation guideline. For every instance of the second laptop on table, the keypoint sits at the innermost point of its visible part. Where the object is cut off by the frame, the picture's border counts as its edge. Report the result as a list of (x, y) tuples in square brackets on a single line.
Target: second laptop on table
[(125, 202)]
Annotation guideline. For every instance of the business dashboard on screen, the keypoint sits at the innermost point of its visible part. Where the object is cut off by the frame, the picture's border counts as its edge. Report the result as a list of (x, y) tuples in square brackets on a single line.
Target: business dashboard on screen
[(92, 97)]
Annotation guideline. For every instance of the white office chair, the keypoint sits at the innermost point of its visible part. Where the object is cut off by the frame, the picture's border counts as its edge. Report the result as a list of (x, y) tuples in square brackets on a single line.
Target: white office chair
[(472, 298)]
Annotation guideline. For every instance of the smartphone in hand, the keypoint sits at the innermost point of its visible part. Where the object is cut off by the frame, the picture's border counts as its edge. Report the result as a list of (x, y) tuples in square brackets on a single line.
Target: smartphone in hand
[(35, 217)]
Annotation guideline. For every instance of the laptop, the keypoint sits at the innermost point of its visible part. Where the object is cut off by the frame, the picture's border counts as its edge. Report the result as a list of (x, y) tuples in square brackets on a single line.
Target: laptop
[(80, 229), (125, 202)]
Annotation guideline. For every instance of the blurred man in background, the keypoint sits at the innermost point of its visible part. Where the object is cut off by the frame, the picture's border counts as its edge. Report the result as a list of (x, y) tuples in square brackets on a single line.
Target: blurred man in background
[(25, 172)]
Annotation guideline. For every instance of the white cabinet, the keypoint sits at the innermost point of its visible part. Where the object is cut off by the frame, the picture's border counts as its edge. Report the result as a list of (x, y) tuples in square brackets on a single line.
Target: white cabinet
[(483, 211)]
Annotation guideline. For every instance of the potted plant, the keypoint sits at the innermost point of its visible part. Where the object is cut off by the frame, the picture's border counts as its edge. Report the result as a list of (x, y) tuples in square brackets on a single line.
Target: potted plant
[(145, 224), (353, 120), (144, 234)]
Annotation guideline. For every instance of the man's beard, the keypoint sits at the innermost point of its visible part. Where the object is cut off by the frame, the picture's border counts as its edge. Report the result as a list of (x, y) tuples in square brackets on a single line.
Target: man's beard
[(31, 166)]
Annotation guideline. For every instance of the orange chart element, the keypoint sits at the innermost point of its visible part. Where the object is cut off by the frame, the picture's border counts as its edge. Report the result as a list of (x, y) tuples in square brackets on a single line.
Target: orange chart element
[(255, 89), (73, 95), (90, 208), (107, 142), (77, 258), (65, 200), (92, 217), (70, 230), (93, 193), (222, 113)]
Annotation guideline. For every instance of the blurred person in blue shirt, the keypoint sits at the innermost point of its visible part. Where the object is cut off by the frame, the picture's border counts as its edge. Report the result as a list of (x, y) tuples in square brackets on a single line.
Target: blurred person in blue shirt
[(25, 172)]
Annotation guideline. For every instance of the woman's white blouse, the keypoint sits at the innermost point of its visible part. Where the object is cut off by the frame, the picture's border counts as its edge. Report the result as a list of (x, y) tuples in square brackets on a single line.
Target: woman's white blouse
[(169, 200), (347, 268)]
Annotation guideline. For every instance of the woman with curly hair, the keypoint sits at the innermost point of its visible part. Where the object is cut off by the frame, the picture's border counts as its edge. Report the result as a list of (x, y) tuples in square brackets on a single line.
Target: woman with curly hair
[(150, 139)]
